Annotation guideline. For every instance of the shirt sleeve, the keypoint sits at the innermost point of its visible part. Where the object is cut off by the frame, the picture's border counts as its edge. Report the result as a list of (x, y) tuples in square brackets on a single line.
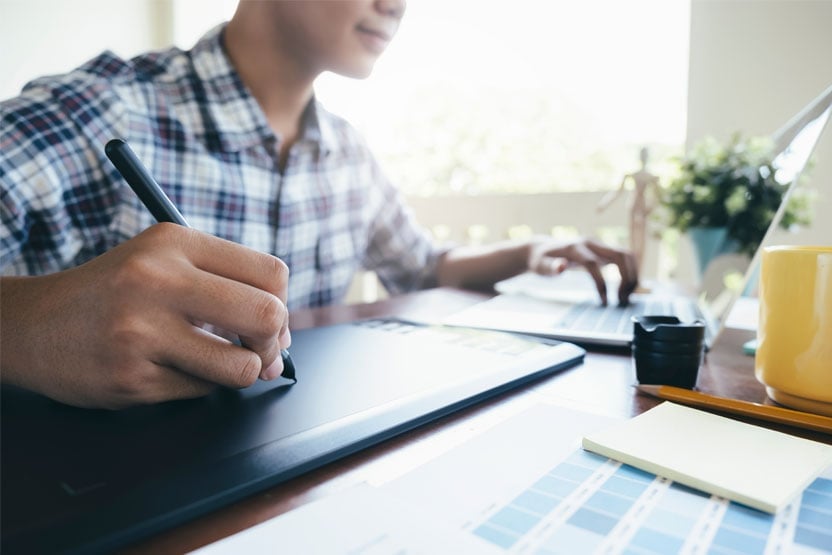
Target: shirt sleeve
[(33, 222), (55, 199), (400, 251)]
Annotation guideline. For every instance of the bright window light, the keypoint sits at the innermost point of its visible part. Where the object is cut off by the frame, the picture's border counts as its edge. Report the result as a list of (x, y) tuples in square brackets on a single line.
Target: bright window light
[(523, 96)]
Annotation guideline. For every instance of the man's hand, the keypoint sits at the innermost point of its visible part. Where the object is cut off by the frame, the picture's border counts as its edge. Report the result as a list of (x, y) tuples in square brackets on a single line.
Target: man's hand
[(551, 258), (127, 327)]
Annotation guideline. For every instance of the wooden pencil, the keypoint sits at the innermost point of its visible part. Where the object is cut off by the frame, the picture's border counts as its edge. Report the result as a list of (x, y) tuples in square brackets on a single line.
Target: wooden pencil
[(769, 413)]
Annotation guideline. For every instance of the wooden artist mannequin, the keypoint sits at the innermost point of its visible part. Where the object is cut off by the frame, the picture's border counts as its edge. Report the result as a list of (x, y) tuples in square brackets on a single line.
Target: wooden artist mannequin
[(640, 206)]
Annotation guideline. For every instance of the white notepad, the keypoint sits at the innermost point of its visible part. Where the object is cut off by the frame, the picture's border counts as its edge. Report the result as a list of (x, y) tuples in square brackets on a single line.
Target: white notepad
[(748, 464)]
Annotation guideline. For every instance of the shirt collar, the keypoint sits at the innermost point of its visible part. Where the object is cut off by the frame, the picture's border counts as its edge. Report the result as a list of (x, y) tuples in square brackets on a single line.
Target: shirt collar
[(317, 126), (237, 117)]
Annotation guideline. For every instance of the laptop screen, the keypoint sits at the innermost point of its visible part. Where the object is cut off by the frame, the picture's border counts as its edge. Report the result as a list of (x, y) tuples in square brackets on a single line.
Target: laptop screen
[(794, 143)]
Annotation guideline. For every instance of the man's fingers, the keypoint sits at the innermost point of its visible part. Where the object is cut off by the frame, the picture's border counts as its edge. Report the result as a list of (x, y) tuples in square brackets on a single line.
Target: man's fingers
[(203, 355), (594, 268), (627, 286), (259, 318), (149, 382), (551, 265), (268, 346), (173, 384), (261, 271), (629, 277), (225, 258), (627, 267), (257, 269), (586, 257), (234, 288)]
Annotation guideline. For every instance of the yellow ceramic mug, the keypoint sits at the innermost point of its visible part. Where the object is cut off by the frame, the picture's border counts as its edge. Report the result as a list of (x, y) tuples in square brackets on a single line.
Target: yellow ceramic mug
[(794, 339)]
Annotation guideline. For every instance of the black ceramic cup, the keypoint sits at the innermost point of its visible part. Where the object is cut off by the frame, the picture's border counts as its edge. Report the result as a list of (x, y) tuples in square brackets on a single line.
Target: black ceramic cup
[(669, 347), (668, 328), (667, 351)]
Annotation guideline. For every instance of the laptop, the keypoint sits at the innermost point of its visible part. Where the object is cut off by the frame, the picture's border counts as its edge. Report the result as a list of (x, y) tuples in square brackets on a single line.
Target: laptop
[(80, 480), (567, 307)]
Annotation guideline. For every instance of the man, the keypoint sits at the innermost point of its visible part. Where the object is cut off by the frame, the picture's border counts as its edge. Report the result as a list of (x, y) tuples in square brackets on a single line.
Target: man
[(101, 308)]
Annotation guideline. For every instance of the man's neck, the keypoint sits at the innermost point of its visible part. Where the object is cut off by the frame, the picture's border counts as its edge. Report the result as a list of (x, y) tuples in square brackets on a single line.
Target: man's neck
[(280, 85)]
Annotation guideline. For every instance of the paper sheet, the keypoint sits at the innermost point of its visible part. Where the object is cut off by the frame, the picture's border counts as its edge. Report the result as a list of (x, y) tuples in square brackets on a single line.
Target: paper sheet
[(526, 486), (359, 521)]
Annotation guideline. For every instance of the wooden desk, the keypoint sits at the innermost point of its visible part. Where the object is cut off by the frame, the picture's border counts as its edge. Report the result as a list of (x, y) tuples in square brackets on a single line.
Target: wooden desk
[(602, 384)]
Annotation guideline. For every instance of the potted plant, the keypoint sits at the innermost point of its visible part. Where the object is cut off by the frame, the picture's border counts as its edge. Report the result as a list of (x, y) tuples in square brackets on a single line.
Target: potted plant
[(725, 196)]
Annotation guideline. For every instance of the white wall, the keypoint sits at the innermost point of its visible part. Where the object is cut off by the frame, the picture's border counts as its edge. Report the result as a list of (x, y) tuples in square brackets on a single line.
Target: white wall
[(753, 65), (39, 37)]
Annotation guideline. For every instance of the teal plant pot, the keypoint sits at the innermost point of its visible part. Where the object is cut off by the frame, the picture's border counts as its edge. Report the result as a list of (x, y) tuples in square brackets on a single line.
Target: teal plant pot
[(708, 243)]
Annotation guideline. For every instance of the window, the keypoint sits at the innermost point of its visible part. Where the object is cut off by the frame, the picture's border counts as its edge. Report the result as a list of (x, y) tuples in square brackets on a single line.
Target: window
[(525, 96)]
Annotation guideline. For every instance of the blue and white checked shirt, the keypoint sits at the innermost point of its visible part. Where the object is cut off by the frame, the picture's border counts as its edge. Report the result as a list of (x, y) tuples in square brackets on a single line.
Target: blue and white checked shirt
[(204, 138)]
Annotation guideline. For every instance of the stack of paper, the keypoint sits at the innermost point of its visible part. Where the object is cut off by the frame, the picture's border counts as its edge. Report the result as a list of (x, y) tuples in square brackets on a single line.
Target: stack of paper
[(748, 464)]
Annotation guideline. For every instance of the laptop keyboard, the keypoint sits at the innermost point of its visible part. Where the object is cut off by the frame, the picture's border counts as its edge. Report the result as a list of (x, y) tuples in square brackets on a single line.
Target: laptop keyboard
[(591, 316)]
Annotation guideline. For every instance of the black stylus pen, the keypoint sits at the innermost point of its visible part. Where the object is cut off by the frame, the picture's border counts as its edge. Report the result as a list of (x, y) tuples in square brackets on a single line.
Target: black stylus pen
[(152, 195)]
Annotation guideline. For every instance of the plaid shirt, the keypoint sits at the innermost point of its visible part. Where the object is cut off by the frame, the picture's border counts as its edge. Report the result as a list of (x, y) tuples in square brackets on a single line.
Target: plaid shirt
[(204, 138)]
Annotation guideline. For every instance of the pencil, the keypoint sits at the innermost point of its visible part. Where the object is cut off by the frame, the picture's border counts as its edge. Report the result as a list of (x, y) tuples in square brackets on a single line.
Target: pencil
[(769, 413), (158, 203)]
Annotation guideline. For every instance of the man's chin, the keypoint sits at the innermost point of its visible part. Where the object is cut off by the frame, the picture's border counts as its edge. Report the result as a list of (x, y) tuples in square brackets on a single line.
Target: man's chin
[(357, 70)]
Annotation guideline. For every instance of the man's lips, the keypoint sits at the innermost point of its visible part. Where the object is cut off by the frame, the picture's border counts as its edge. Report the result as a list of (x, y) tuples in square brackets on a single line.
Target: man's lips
[(373, 39), (381, 34)]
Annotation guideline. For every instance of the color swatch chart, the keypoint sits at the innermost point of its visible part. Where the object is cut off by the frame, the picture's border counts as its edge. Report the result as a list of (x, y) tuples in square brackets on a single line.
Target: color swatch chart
[(589, 503)]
